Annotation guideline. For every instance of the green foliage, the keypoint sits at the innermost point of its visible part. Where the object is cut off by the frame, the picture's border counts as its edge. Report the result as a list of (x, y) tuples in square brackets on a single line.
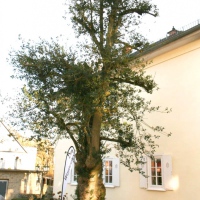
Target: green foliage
[(97, 97), (26, 197)]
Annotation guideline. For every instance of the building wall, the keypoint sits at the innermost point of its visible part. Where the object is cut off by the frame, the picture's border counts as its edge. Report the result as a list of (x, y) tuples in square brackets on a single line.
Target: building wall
[(19, 160), (177, 73), (20, 182)]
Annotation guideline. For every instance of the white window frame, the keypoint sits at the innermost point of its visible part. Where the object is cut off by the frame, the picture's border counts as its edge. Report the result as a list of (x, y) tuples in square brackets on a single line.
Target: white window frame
[(115, 173), (166, 168), (155, 186)]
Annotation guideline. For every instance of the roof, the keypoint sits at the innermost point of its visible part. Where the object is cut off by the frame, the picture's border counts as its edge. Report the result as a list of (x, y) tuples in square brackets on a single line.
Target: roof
[(8, 141), (20, 170), (184, 31)]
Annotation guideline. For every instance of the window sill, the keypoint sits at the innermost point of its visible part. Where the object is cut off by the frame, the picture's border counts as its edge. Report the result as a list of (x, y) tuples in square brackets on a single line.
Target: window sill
[(74, 183), (156, 189), (109, 186)]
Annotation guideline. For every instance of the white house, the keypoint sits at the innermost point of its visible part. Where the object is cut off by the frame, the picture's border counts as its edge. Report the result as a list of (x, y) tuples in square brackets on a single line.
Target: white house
[(174, 174), (13, 155), (17, 166)]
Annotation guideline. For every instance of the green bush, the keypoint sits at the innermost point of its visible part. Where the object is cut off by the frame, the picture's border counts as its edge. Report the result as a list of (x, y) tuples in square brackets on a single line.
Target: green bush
[(26, 197)]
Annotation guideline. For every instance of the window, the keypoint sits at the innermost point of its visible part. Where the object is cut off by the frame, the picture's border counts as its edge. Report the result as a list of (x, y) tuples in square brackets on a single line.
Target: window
[(17, 163), (158, 173), (110, 173), (3, 187), (48, 181), (74, 176), (2, 163)]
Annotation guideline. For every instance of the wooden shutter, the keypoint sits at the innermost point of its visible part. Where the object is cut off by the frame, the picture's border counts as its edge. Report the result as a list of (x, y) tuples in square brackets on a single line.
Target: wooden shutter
[(167, 168), (143, 179)]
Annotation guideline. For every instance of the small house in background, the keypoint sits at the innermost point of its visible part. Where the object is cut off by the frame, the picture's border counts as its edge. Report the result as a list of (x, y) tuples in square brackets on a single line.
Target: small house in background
[(18, 160), (174, 172), (17, 166)]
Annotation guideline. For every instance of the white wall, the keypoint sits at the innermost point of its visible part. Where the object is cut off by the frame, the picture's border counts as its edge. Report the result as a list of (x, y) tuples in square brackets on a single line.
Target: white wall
[(178, 76), (10, 149), (26, 160)]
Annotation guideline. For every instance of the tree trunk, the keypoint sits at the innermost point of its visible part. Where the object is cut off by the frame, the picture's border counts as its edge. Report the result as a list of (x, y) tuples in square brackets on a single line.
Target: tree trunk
[(91, 187), (89, 165)]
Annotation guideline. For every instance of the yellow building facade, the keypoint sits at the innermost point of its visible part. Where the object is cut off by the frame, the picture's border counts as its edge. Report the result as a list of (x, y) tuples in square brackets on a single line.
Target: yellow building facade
[(174, 175)]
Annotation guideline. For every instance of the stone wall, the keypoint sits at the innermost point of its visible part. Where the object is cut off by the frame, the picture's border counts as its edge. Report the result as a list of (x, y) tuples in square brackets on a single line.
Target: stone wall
[(20, 182)]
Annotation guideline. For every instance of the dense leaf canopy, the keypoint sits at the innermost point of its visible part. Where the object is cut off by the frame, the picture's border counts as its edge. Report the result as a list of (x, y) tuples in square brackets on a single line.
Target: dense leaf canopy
[(65, 96)]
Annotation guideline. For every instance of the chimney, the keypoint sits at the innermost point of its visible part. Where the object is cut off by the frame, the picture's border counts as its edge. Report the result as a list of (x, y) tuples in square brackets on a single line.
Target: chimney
[(172, 32)]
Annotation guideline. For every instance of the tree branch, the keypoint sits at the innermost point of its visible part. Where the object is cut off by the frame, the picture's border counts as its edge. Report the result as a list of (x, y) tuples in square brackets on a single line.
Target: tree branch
[(61, 124), (101, 24), (136, 10), (66, 128), (137, 81), (90, 29), (120, 141), (109, 139)]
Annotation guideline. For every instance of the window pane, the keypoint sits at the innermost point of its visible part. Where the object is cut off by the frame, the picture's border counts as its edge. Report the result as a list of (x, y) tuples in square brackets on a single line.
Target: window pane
[(153, 163), (153, 172), (108, 171), (159, 171), (110, 167), (158, 162), (75, 177), (107, 167), (106, 179), (156, 172), (159, 180), (153, 180)]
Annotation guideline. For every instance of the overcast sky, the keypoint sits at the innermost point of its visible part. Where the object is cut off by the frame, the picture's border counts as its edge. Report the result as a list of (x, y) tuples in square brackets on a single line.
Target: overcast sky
[(44, 18)]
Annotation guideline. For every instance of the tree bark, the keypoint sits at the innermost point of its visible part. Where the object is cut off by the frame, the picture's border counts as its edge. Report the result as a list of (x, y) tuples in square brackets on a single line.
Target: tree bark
[(89, 168), (91, 187)]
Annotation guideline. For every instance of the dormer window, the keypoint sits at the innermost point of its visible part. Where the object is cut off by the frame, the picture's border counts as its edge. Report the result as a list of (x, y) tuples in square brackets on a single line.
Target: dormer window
[(17, 163), (2, 163)]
